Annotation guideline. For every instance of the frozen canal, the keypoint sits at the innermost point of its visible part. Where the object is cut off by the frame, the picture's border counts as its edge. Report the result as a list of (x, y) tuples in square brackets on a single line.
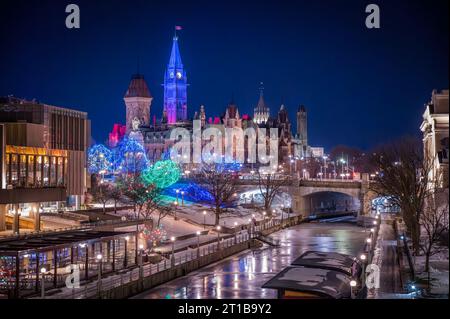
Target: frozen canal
[(242, 275)]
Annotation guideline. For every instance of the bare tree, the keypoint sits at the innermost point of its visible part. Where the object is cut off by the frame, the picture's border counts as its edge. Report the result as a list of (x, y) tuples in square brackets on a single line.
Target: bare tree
[(270, 183), (101, 193), (116, 196), (155, 205), (404, 177), (220, 181), (434, 223), (136, 191)]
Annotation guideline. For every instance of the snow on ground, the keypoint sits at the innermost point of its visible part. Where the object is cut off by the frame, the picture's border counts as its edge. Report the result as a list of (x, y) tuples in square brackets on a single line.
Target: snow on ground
[(439, 272)]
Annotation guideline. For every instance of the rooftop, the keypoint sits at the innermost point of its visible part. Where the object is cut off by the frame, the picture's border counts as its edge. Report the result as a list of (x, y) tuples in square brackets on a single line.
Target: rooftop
[(138, 87), (53, 240)]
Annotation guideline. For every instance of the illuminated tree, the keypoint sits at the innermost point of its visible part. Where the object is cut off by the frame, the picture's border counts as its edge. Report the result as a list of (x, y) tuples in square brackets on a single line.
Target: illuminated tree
[(129, 157), (136, 191), (99, 159), (162, 174)]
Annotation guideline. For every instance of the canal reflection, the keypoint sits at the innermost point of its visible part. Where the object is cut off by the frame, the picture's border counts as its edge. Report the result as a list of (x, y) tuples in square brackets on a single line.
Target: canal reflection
[(242, 275)]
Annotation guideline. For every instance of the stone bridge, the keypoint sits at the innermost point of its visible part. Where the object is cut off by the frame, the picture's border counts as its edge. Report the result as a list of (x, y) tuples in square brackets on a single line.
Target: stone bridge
[(301, 191)]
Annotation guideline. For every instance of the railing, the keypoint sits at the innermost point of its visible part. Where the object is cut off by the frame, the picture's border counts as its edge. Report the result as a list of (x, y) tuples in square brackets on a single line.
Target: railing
[(95, 288)]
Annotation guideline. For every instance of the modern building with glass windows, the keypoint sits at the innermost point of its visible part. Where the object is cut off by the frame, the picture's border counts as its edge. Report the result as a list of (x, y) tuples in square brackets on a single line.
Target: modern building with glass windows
[(43, 160)]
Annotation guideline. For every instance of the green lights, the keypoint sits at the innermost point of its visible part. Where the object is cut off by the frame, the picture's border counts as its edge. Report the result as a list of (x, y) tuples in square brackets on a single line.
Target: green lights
[(162, 174)]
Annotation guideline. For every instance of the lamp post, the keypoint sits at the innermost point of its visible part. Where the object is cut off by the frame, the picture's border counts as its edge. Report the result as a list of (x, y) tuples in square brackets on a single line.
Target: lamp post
[(235, 232), (342, 166), (352, 286), (99, 258), (177, 191), (198, 243), (249, 228), (141, 248), (204, 219), (43, 271), (264, 220), (172, 239), (369, 246), (363, 260), (182, 198), (218, 236), (175, 209), (125, 259), (325, 165)]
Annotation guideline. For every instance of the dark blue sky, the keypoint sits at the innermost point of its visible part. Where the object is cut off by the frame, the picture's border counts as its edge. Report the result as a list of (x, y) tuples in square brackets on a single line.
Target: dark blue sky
[(360, 86)]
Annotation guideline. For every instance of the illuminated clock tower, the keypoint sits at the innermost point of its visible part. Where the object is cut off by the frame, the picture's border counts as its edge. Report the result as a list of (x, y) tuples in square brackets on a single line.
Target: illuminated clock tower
[(175, 87)]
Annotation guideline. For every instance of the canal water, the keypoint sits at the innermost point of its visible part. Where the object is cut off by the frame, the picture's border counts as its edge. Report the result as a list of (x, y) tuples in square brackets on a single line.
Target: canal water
[(242, 275)]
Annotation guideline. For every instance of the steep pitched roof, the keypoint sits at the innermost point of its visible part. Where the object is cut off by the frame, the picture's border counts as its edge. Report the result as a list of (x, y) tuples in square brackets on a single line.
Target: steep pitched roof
[(175, 56), (138, 87)]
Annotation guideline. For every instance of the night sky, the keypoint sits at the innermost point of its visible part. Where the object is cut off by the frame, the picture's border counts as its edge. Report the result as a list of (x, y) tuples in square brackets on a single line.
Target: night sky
[(361, 86)]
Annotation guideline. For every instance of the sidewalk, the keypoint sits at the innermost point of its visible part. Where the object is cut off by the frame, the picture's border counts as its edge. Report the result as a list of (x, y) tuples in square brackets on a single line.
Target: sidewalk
[(386, 258)]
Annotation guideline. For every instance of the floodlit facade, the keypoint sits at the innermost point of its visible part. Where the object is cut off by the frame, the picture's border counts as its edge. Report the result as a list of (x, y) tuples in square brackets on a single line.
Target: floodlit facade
[(43, 160), (435, 129)]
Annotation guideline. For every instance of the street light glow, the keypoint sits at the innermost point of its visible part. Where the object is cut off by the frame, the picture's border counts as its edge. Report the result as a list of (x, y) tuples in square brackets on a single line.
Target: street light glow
[(353, 283), (43, 270), (99, 257), (198, 233), (172, 238), (362, 257)]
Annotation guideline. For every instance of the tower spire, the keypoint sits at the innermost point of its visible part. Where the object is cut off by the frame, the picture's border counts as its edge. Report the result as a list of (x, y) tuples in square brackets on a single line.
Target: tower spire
[(261, 111), (175, 85)]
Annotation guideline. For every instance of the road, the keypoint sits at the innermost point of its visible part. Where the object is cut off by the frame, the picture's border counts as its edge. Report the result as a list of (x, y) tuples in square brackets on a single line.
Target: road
[(242, 275)]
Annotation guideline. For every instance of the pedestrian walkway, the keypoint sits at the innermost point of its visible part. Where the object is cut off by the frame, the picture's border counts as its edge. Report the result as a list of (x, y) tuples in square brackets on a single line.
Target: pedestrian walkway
[(386, 258)]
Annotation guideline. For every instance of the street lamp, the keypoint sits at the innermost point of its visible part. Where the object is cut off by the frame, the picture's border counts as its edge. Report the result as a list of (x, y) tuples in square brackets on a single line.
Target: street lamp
[(352, 286), (325, 165), (141, 248), (43, 271), (369, 246), (99, 258), (175, 209), (204, 219), (218, 236), (198, 243), (363, 260), (182, 198), (172, 239)]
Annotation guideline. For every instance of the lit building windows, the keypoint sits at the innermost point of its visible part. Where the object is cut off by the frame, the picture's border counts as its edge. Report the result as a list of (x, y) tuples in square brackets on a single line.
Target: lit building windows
[(31, 171), (38, 180), (46, 170)]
